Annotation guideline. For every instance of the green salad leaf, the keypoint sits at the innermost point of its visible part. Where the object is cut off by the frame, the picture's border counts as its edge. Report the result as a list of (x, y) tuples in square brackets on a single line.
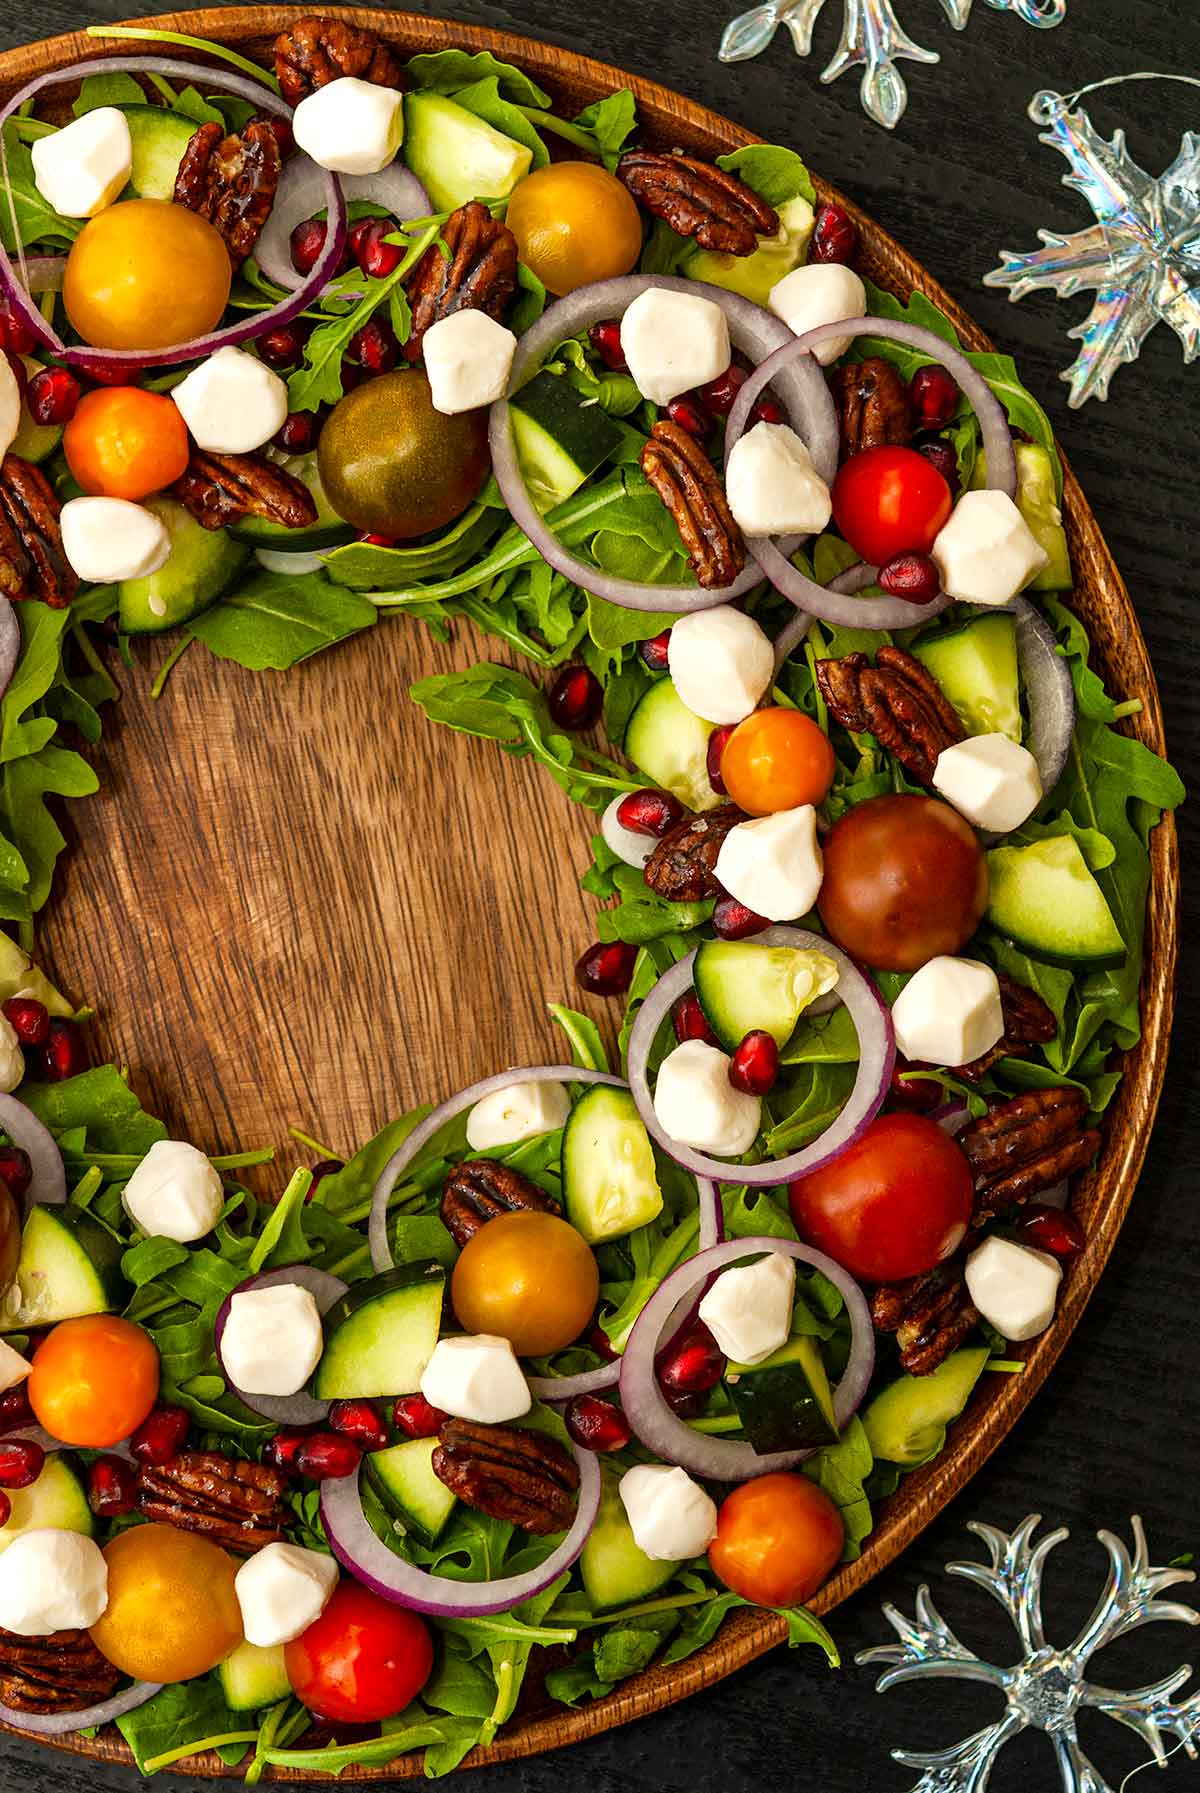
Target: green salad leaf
[(275, 620)]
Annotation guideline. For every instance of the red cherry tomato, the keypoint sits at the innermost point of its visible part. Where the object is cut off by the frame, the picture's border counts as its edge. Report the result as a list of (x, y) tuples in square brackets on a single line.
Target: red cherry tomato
[(362, 1661), (893, 1205), (889, 501), (778, 1538)]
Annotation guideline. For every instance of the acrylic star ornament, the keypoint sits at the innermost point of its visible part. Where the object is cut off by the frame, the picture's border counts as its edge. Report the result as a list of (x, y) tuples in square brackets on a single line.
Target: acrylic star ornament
[(1049, 1687)]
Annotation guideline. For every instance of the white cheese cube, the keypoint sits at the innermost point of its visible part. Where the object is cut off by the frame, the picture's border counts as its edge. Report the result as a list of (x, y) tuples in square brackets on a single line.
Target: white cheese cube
[(698, 1106), (468, 358), (109, 539), (12, 1059), (232, 403), (1014, 1287), (673, 341), (282, 1590), (174, 1193), (476, 1376), (671, 1517), (986, 551), (635, 849), (350, 126), (721, 663), (772, 486), (773, 863), (81, 169), (519, 1111), (51, 1581), (948, 1012), (10, 405), (273, 1339), (13, 1367), (990, 779), (820, 293), (748, 1310)]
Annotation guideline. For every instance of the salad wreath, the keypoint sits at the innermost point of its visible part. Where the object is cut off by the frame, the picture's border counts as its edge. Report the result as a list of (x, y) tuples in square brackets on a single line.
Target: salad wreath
[(548, 1377)]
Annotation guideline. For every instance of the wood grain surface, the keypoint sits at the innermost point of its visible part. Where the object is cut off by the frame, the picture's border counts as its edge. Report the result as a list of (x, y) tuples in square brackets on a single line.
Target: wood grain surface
[(327, 910)]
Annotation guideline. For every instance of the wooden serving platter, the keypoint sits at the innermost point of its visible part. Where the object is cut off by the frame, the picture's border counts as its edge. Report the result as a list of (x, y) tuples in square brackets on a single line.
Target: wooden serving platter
[(296, 901)]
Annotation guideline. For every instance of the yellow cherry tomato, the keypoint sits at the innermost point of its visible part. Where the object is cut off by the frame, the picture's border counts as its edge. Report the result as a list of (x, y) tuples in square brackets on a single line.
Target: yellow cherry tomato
[(94, 1380), (529, 1278), (126, 443), (574, 223), (776, 759), (146, 274), (172, 1608)]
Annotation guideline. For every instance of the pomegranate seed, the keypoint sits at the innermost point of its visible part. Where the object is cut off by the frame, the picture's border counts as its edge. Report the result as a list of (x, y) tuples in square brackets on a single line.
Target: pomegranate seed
[(596, 1425), (327, 1167), (307, 242), (298, 433), (15, 1410), (732, 920), (716, 747), (283, 347), (720, 393), (755, 1063), (378, 541), (53, 395), (5, 1509), (692, 1365), (944, 456), (358, 1421), (686, 1406), (934, 395), (691, 416), (1052, 1230), (15, 334), (689, 1020), (605, 338), (21, 1462), (598, 1341), (324, 1457), (835, 235), (654, 652), (374, 348), (911, 576), (160, 1436), (917, 1095), (282, 1450), (375, 257), (767, 411), (413, 1416), (606, 969), (64, 1054), (650, 812), (29, 1019), (575, 698), (15, 1170), (112, 1487)]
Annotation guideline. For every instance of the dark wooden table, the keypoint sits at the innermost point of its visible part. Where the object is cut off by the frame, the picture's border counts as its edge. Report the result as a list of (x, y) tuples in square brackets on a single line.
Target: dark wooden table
[(1115, 1430)]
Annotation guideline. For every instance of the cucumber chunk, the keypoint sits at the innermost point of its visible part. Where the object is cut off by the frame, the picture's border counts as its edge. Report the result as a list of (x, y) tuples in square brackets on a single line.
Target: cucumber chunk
[(976, 666), (670, 745), (457, 156), (329, 530), (743, 987), (560, 441), (906, 1422), (615, 1571), (57, 1502), (159, 141), (69, 1266), (19, 973), (1044, 898), (254, 1677), (1037, 501), (610, 1185), (784, 1402), (381, 1334), (403, 1478), (203, 563), (754, 275)]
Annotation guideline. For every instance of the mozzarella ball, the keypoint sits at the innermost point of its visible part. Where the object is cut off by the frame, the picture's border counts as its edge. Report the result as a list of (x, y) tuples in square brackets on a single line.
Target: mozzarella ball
[(772, 486), (820, 293), (174, 1193), (773, 863), (696, 1104), (672, 342), (232, 403), (721, 663), (106, 540)]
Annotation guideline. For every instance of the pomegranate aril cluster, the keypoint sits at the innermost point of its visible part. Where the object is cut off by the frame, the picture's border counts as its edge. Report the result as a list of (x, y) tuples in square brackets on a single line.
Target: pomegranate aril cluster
[(416, 1417), (64, 1053), (654, 653), (835, 235), (161, 1436), (21, 1462), (754, 1064), (52, 396), (283, 347), (713, 755), (596, 1425), (29, 1019), (912, 576), (689, 1020), (360, 1422), (934, 394), (732, 920), (605, 338), (691, 1366), (299, 432), (16, 1170), (375, 257)]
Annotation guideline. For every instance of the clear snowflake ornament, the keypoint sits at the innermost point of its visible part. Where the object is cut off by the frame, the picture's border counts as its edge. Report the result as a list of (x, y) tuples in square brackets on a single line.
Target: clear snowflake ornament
[(1048, 1688)]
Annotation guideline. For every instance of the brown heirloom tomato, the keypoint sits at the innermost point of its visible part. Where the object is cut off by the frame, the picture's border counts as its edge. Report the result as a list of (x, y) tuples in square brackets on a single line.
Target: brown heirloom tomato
[(394, 466)]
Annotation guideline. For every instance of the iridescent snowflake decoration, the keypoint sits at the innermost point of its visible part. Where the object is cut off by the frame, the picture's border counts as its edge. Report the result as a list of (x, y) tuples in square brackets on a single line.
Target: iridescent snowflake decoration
[(1048, 1688), (873, 39), (1141, 258)]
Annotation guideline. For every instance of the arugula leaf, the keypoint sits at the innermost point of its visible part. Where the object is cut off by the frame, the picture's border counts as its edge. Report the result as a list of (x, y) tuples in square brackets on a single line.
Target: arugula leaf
[(276, 620), (587, 1044), (100, 1102), (39, 665), (107, 90), (776, 174), (349, 1188), (609, 122), (841, 1469), (449, 71), (32, 839)]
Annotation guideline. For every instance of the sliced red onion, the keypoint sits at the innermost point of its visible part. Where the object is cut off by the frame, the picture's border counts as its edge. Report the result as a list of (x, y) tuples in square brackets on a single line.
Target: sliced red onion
[(303, 192), (48, 1184), (877, 1056), (300, 1409), (725, 1459), (61, 1724), (951, 1117), (1046, 676), (393, 1578), (10, 643)]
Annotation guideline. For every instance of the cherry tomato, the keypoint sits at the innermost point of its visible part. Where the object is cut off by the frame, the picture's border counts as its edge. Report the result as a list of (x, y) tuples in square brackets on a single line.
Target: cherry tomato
[(146, 274), (776, 759), (394, 466), (126, 443), (905, 879), (574, 223), (889, 501), (778, 1538), (892, 1205), (172, 1608), (94, 1380), (529, 1278), (362, 1661)]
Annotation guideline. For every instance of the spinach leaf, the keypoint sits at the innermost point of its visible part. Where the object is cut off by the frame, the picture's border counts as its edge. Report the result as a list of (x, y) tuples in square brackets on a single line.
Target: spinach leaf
[(30, 838), (100, 1102), (776, 174), (107, 90), (841, 1469), (276, 620), (450, 71), (608, 123), (184, 1717)]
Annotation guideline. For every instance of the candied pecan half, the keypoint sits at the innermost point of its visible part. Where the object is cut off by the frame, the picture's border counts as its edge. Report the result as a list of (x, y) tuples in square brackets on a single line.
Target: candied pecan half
[(479, 1189), (697, 200), (232, 180), (508, 1473), (690, 486), (931, 1315), (32, 562), (478, 274), (59, 1673), (315, 51), (238, 1505), (1028, 1022), (1026, 1145), (897, 700), (223, 488), (873, 406), (681, 865)]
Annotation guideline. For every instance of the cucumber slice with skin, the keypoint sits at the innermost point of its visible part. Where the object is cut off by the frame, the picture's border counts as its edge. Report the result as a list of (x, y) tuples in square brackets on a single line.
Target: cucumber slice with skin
[(743, 987), (755, 274), (159, 140), (616, 1572), (57, 1502), (404, 1479), (381, 1334), (69, 1266), (203, 563), (610, 1185), (976, 666), (1044, 898), (254, 1677), (667, 742), (906, 1422), (457, 156), (329, 530), (784, 1402), (560, 441)]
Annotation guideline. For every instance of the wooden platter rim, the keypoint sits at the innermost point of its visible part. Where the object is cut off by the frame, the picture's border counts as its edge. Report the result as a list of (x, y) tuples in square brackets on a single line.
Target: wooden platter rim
[(1105, 1192)]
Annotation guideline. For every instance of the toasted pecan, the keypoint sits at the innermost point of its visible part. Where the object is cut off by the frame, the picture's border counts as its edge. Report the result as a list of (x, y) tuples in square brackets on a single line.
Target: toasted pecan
[(689, 485), (237, 1504), (1026, 1145), (897, 700), (931, 1315), (478, 272), (32, 562), (508, 1473), (60, 1673), (682, 865), (317, 50), (231, 179), (873, 406), (698, 200), (223, 488), (480, 1189)]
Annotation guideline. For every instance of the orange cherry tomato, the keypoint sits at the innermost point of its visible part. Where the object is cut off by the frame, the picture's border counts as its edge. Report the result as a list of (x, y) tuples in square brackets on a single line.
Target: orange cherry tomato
[(94, 1380), (574, 223), (172, 1608), (146, 274), (362, 1661), (776, 759), (529, 1277), (778, 1538), (126, 443)]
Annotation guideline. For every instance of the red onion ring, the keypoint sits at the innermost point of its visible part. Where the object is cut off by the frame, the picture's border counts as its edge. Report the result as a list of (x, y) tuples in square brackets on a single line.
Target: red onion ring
[(10, 643), (877, 1057), (61, 1724), (302, 193), (1048, 687), (725, 1459), (300, 1409), (393, 1578), (48, 1184)]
